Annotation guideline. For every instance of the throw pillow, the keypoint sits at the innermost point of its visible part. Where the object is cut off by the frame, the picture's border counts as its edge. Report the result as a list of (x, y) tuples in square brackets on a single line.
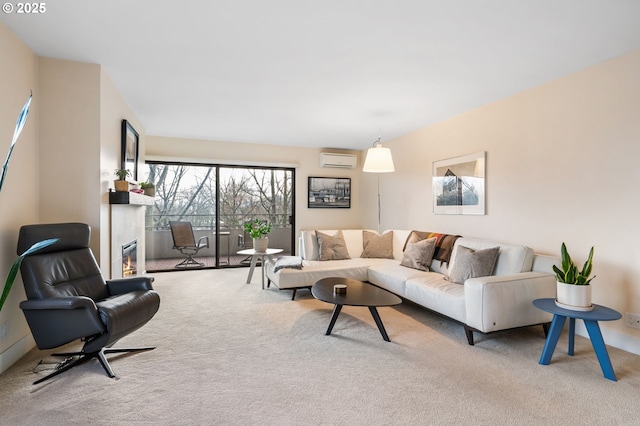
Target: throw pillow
[(469, 263), (418, 254), (332, 247), (374, 245)]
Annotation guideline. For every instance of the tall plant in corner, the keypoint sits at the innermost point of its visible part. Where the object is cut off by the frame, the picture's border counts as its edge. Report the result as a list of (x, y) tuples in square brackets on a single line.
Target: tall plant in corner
[(13, 272)]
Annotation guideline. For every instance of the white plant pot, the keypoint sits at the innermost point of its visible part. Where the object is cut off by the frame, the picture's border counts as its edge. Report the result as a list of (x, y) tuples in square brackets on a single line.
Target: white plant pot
[(260, 244), (573, 297)]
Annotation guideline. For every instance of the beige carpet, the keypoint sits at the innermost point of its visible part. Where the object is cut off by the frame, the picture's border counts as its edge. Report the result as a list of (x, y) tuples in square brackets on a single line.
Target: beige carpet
[(230, 353)]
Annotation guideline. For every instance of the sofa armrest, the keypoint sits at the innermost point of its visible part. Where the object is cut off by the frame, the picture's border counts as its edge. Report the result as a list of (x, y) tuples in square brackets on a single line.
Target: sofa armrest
[(126, 285), (504, 301)]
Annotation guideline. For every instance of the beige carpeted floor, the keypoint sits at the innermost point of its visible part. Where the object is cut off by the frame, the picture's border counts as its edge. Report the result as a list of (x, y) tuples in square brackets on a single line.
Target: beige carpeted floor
[(230, 353)]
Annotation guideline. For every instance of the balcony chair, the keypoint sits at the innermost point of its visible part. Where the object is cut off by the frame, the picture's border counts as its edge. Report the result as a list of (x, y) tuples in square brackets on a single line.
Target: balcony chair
[(185, 242), (68, 298)]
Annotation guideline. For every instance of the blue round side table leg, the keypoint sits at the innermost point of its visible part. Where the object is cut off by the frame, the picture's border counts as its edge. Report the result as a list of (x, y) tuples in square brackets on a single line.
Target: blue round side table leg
[(552, 338), (601, 350)]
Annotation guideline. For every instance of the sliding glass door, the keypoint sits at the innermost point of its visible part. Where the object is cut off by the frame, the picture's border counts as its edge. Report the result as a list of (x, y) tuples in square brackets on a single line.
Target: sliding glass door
[(217, 201)]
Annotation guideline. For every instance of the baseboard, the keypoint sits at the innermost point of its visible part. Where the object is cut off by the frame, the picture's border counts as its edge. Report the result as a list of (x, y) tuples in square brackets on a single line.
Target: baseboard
[(613, 338), (16, 351)]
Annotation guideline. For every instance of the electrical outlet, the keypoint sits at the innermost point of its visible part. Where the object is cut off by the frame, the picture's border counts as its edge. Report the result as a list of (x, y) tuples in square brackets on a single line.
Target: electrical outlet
[(633, 320), (4, 330)]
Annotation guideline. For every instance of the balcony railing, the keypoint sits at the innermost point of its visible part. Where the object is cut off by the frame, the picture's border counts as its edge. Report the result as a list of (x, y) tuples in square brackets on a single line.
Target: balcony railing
[(159, 242)]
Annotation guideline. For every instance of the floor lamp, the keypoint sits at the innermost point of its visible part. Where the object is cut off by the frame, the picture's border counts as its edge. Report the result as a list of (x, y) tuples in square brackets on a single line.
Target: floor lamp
[(378, 160)]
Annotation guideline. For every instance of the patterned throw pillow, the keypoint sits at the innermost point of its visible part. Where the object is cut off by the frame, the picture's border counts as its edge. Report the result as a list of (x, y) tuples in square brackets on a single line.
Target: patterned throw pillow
[(469, 263), (374, 245), (332, 247), (419, 253)]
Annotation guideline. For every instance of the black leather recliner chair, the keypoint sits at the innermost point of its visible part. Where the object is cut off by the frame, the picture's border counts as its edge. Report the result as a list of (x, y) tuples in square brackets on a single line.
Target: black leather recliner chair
[(68, 298)]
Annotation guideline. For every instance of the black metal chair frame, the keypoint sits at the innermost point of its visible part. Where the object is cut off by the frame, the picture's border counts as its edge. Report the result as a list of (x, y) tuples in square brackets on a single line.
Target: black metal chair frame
[(185, 242)]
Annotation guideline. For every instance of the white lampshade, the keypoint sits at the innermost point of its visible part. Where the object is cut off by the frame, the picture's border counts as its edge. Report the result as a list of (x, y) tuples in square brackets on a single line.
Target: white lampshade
[(379, 160)]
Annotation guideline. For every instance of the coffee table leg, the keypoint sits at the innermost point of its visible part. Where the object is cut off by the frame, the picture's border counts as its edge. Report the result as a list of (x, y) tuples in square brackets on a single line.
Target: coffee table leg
[(334, 317), (376, 318)]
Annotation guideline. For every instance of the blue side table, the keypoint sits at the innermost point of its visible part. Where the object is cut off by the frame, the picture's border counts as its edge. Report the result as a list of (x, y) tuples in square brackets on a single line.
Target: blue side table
[(590, 318)]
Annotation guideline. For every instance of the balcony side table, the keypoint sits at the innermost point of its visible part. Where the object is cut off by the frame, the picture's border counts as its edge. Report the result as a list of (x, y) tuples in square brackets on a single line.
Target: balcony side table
[(590, 318), (254, 259)]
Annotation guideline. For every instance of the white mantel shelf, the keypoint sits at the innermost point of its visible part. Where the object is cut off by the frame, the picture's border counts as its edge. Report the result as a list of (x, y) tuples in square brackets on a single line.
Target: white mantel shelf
[(130, 198)]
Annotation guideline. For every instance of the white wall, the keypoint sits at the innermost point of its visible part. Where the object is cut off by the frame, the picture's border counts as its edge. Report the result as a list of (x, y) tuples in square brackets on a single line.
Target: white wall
[(19, 195), (562, 165), (306, 161)]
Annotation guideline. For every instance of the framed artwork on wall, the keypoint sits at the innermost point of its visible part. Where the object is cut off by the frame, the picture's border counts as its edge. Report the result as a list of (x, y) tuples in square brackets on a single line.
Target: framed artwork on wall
[(329, 193), (130, 140), (459, 185)]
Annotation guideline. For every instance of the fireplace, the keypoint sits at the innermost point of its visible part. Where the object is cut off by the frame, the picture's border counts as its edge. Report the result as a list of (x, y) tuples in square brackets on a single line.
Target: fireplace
[(129, 258)]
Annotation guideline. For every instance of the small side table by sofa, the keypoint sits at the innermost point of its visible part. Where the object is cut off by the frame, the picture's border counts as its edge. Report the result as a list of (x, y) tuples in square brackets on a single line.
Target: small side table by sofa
[(590, 318), (254, 259)]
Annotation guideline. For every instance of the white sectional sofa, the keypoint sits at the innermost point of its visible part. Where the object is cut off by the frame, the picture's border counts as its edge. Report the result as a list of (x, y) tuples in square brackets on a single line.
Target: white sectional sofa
[(483, 304)]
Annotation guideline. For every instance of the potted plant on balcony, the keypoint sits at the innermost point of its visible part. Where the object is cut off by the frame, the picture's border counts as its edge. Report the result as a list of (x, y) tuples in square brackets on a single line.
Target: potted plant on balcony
[(258, 231), (573, 289), (149, 188), (121, 184)]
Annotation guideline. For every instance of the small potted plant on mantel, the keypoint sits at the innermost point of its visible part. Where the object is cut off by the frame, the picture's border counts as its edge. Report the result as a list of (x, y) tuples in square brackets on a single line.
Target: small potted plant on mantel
[(573, 289), (121, 184), (258, 231), (149, 188)]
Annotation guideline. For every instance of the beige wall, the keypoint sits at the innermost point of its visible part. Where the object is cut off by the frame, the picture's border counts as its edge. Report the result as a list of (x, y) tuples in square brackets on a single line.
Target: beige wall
[(70, 144), (305, 160), (19, 195), (562, 165)]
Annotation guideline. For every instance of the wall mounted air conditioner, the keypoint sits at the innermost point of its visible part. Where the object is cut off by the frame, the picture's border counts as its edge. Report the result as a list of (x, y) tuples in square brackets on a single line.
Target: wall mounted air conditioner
[(341, 161)]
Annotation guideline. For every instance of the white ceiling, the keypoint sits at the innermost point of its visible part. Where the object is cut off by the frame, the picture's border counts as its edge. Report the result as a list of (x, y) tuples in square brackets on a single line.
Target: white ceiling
[(332, 73)]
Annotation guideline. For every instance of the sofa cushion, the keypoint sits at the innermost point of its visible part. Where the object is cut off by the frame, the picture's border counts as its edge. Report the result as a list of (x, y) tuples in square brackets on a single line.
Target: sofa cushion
[(419, 253), (433, 292), (445, 243), (389, 275), (314, 270), (378, 246), (332, 247), (513, 258), (470, 263)]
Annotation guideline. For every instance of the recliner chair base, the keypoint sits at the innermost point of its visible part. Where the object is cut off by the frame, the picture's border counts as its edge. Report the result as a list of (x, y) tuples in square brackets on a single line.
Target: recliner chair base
[(86, 356)]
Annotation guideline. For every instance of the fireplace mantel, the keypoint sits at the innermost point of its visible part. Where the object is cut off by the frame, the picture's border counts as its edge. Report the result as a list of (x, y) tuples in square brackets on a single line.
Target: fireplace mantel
[(130, 198)]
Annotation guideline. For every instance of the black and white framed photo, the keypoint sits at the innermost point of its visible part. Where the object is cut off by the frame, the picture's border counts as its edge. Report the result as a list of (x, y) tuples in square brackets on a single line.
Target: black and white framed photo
[(329, 193), (459, 185), (130, 139)]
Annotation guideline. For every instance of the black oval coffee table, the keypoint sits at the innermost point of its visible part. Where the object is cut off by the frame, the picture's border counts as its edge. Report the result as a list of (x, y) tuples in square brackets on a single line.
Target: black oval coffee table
[(357, 294)]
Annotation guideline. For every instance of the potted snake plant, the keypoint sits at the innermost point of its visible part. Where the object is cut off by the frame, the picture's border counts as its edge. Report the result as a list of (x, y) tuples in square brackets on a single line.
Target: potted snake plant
[(573, 288)]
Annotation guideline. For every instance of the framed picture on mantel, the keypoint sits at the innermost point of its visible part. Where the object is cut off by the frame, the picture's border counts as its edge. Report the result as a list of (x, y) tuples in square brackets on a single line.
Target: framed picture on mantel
[(130, 139)]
